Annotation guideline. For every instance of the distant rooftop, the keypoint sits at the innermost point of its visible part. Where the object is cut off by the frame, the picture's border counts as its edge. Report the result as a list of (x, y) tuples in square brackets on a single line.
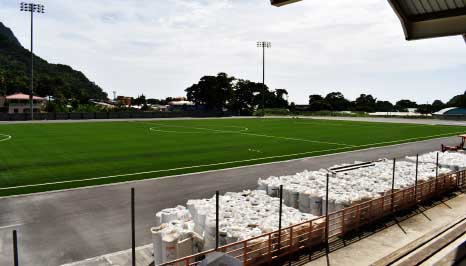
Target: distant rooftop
[(22, 96), (452, 111)]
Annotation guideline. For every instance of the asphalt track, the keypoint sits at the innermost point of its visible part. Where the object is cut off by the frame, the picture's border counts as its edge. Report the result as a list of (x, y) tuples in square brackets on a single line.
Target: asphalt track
[(65, 226)]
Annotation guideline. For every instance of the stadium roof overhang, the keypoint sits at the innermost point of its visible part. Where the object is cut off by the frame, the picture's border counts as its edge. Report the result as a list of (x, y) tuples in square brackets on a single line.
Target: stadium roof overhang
[(283, 2), (423, 19)]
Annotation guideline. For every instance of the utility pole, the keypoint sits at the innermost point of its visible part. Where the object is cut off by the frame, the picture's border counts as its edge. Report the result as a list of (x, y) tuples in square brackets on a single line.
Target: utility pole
[(32, 8), (263, 45)]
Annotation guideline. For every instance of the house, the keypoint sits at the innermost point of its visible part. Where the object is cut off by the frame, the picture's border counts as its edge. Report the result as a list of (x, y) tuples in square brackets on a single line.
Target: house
[(102, 104), (18, 103), (181, 105), (125, 101), (159, 107)]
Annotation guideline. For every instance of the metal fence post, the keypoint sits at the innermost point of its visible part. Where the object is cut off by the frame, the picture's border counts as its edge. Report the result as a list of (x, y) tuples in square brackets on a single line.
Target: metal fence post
[(327, 220), (280, 211), (415, 182), (15, 248), (217, 196), (133, 230), (393, 186), (436, 175)]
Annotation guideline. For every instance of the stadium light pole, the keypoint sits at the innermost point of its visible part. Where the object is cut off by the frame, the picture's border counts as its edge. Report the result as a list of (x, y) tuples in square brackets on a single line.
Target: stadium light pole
[(263, 45), (32, 8)]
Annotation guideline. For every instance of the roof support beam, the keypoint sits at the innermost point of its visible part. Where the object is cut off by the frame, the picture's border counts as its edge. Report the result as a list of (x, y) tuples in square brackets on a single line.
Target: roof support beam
[(283, 2)]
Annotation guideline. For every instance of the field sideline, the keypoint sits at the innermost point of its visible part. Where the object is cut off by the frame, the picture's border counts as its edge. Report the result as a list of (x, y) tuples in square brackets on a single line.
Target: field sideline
[(41, 157)]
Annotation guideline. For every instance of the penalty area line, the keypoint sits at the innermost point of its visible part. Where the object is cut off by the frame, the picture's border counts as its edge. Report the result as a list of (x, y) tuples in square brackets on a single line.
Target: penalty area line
[(243, 132), (395, 142)]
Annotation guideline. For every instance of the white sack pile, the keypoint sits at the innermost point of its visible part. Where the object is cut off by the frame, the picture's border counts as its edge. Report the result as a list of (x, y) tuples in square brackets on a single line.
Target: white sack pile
[(242, 216), (174, 235), (306, 190), (181, 232), (452, 160)]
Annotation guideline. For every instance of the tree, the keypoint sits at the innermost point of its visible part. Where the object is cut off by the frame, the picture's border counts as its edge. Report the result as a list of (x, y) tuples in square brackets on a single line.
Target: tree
[(280, 100), (438, 105), (364, 103), (314, 98), (457, 101), (384, 106), (212, 91), (337, 101), (403, 105), (318, 103), (243, 100), (424, 109), (140, 100)]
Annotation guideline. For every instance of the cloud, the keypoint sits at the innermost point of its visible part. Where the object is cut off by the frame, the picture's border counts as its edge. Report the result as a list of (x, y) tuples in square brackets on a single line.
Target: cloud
[(160, 47)]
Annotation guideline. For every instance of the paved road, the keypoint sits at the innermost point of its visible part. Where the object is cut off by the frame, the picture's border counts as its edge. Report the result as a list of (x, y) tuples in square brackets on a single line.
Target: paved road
[(61, 227)]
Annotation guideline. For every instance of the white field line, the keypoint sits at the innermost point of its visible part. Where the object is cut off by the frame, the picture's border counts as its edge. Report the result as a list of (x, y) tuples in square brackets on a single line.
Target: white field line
[(195, 132), (225, 163), (11, 225), (173, 131), (6, 137), (242, 132), (322, 122)]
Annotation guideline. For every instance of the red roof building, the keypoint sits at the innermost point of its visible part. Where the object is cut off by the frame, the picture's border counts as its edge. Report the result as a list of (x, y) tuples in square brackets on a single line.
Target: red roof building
[(19, 103)]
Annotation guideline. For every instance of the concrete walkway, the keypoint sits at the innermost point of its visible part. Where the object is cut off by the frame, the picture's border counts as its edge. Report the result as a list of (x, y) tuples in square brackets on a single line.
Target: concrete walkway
[(370, 250), (144, 257)]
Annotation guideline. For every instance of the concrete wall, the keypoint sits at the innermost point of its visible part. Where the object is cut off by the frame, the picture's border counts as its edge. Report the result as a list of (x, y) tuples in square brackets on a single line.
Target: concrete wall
[(107, 115)]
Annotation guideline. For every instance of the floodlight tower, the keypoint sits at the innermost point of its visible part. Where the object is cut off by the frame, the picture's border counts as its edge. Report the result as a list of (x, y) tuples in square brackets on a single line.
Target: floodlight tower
[(32, 8), (263, 45)]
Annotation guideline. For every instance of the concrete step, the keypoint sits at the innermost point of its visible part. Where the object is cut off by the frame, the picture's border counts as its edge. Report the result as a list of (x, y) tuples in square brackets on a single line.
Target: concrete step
[(453, 254), (423, 248)]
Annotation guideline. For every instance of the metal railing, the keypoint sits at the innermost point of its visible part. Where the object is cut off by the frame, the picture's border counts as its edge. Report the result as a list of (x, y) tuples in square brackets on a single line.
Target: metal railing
[(270, 246)]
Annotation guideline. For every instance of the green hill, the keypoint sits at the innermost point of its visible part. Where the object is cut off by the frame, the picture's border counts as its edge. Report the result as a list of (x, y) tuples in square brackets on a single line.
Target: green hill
[(58, 80)]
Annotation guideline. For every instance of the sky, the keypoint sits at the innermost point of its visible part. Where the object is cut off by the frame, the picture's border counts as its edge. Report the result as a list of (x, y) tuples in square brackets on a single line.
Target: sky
[(160, 47)]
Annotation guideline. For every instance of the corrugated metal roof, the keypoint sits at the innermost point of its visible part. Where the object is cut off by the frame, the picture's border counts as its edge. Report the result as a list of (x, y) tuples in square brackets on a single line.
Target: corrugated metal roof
[(424, 18), (431, 18), (422, 7)]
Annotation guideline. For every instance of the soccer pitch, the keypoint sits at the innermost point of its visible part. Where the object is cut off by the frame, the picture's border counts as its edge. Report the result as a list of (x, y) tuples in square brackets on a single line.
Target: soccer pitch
[(51, 156)]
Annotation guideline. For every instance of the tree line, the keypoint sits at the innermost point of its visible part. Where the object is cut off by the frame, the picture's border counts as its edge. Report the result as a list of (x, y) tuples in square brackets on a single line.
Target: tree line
[(240, 96), (335, 101), (223, 92)]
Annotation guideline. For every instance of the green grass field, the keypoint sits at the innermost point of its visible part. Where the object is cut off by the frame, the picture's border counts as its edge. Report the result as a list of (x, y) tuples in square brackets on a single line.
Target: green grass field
[(65, 155)]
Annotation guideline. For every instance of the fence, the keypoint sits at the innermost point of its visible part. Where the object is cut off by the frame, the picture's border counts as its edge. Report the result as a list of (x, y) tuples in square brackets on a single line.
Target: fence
[(268, 247), (106, 115)]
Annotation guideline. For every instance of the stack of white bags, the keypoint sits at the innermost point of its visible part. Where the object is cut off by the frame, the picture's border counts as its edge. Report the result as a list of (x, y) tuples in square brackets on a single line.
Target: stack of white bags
[(452, 160), (182, 231), (306, 190)]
